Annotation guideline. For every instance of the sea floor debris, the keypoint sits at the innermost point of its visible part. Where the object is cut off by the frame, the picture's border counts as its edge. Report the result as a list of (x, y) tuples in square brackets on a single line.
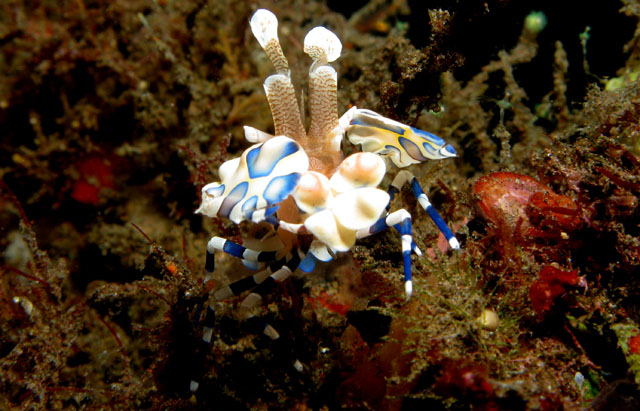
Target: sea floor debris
[(115, 113)]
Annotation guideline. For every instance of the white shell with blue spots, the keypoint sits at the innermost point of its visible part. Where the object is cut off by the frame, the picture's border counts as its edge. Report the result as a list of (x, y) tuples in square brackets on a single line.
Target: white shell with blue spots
[(404, 144), (260, 179)]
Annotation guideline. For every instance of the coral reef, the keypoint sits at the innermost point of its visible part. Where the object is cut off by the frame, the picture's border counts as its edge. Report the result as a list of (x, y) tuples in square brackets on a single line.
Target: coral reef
[(115, 114)]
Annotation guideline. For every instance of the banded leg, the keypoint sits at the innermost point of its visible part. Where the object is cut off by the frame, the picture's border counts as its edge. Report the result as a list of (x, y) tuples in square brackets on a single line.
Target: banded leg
[(392, 191), (247, 283), (253, 298), (404, 177), (236, 288), (316, 252), (286, 267), (207, 333), (401, 219), (235, 250)]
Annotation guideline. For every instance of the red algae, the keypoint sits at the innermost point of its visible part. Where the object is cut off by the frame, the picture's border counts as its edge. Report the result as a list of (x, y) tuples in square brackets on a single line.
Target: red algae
[(523, 212), (328, 302), (517, 205), (464, 378), (502, 199), (96, 174), (634, 344), (551, 283)]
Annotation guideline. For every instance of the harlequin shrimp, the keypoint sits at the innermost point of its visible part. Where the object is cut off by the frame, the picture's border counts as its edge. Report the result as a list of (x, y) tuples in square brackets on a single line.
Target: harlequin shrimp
[(318, 202)]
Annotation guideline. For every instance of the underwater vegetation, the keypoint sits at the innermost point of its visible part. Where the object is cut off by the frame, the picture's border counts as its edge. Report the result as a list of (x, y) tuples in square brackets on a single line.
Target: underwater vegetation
[(114, 116)]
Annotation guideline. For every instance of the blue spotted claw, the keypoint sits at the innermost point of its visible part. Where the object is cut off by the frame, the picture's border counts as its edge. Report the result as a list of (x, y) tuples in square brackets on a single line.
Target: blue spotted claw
[(404, 144), (253, 185)]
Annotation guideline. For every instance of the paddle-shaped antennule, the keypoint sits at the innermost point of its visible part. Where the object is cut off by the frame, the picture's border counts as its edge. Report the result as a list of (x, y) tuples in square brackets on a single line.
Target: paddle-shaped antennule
[(278, 87), (264, 26), (323, 46)]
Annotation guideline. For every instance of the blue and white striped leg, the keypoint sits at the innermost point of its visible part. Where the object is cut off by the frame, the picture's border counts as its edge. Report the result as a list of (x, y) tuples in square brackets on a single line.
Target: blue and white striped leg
[(401, 219), (290, 227), (207, 333), (233, 249), (393, 191), (253, 298), (405, 177), (261, 281), (207, 329), (247, 283)]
